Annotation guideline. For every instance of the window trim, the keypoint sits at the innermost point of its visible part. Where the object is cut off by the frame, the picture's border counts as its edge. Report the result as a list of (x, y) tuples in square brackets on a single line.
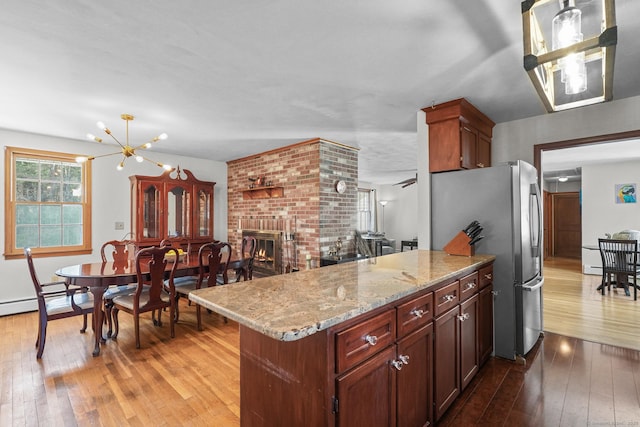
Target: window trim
[(371, 213), (11, 153)]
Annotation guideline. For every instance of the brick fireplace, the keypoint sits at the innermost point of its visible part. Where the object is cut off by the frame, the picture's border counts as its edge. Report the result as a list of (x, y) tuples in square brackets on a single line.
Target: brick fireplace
[(291, 192)]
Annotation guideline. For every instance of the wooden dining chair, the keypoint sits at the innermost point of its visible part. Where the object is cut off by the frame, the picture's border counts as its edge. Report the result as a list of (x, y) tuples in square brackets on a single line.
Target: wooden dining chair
[(120, 253), (57, 300), (248, 251), (619, 260), (211, 256), (152, 292)]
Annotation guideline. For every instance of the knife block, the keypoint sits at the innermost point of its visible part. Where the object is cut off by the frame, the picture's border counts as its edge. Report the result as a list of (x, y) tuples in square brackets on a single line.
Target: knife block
[(459, 245)]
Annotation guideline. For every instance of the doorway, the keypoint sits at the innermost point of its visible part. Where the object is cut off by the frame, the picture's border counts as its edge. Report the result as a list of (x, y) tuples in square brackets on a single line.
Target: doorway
[(566, 223), (564, 242)]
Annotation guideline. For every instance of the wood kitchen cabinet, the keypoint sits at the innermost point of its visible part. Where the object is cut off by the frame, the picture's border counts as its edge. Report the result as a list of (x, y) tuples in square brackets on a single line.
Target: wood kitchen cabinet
[(397, 394), (459, 136), (485, 314), (468, 318), (398, 381), (456, 340), (174, 204), (446, 378), (366, 394)]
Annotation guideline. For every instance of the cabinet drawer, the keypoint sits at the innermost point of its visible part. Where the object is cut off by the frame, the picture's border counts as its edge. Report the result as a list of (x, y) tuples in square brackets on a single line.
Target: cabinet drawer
[(468, 286), (363, 340), (415, 314), (447, 297), (486, 276)]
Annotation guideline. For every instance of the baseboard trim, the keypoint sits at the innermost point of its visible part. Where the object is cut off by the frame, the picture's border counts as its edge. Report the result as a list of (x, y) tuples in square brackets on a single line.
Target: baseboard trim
[(16, 307)]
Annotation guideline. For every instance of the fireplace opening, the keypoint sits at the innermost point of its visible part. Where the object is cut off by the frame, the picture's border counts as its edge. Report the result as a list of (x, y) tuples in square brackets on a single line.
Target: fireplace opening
[(268, 258)]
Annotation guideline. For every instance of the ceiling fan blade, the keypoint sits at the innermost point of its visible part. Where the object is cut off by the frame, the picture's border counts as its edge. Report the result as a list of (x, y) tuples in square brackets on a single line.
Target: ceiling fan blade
[(407, 182)]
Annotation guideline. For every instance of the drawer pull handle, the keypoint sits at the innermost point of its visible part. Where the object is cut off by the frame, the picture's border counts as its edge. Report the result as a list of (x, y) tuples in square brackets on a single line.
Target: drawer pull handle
[(488, 276), (371, 339), (471, 285), (448, 298), (403, 359), (463, 317), (417, 312)]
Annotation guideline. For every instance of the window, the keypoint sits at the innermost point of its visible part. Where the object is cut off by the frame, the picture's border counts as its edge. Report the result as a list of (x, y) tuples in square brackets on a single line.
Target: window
[(365, 216), (48, 203)]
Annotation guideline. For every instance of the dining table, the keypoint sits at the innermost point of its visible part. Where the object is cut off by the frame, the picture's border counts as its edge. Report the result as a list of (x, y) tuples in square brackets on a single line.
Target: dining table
[(98, 276)]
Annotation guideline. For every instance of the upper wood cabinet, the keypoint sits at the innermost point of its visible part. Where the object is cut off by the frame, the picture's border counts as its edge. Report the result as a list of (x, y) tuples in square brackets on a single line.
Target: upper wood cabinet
[(459, 136), (174, 204)]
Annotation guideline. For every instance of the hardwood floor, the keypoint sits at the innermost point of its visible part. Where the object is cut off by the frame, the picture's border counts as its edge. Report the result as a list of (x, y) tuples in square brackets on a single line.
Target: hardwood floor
[(194, 378), (573, 307), (565, 382)]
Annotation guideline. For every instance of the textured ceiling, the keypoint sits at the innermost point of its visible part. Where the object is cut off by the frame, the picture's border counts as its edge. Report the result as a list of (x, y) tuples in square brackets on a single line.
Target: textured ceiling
[(230, 79)]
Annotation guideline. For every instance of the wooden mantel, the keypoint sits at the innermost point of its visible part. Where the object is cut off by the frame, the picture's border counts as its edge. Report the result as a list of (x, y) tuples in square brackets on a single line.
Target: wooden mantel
[(263, 193)]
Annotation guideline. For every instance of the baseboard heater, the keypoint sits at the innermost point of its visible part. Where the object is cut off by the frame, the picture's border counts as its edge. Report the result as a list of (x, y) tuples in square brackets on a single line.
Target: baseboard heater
[(592, 269), (18, 306)]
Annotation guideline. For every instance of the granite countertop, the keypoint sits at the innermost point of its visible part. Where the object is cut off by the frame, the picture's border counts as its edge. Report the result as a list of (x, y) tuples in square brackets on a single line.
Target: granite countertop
[(291, 306)]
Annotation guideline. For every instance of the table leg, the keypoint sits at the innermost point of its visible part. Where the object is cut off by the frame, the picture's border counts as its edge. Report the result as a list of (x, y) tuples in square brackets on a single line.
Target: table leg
[(98, 292), (623, 280)]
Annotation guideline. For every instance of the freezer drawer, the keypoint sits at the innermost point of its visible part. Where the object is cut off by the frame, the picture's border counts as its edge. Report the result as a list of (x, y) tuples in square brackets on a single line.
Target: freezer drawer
[(529, 316)]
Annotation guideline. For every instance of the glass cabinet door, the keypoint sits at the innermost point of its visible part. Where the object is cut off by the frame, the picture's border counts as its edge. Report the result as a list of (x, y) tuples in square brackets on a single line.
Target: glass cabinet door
[(178, 210), (168, 207), (204, 214), (151, 212)]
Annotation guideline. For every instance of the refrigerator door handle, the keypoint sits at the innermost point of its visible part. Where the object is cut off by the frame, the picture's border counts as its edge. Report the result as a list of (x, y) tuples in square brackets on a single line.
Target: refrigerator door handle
[(535, 212), (531, 288)]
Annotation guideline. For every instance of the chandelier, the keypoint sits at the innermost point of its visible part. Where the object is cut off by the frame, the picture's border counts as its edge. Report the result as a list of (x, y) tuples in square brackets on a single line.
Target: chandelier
[(569, 50), (125, 149)]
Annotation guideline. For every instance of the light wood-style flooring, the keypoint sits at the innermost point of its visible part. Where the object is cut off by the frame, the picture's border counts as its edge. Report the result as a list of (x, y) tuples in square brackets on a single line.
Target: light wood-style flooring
[(573, 307), (194, 378)]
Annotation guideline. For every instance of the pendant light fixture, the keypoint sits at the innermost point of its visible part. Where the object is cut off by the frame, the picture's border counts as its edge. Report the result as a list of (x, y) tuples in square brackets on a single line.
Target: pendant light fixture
[(125, 149), (569, 50)]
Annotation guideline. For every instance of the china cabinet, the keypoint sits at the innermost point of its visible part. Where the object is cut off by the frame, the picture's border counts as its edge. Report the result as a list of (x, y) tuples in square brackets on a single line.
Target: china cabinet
[(174, 204)]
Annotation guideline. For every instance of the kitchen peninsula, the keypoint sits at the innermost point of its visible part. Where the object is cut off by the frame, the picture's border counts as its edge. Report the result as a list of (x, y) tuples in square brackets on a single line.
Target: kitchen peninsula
[(356, 342)]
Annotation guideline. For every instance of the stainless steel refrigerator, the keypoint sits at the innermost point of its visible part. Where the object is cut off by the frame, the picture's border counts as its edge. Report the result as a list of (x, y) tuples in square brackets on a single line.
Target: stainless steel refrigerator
[(505, 200)]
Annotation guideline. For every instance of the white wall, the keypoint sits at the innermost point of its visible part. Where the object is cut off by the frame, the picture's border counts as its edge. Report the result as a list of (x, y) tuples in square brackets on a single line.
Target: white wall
[(110, 203), (424, 182), (515, 140), (408, 213), (600, 212), (400, 214)]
